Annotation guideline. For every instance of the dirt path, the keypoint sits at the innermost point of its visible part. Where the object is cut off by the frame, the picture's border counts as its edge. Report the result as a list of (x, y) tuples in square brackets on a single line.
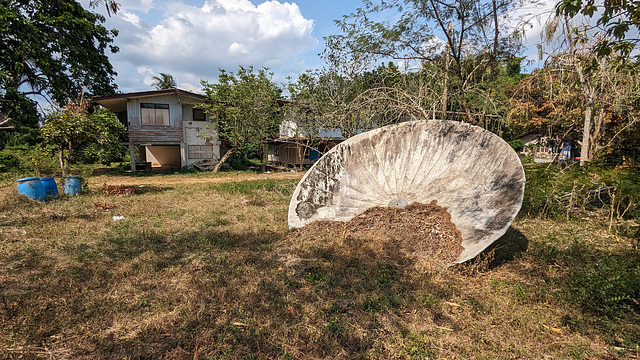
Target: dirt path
[(164, 180)]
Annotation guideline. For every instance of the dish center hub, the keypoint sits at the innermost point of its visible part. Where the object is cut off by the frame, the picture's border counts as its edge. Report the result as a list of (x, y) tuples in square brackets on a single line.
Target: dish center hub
[(398, 203)]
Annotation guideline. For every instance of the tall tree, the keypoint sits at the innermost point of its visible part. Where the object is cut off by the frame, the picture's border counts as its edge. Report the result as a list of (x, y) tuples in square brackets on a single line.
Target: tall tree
[(243, 107), (596, 77), (462, 38), (615, 20), (52, 49), (352, 102), (164, 82), (578, 96)]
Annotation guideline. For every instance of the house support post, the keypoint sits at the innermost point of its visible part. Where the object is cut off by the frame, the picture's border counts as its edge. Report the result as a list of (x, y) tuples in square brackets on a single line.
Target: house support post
[(132, 156)]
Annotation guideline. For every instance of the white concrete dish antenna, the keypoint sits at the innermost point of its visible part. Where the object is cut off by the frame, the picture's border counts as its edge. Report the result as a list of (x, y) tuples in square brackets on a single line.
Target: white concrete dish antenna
[(470, 171)]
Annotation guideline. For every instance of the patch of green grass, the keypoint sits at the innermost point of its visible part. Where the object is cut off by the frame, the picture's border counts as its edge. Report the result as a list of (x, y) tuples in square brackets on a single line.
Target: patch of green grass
[(563, 193), (375, 304), (610, 286), (250, 187), (313, 274), (420, 346), (335, 327)]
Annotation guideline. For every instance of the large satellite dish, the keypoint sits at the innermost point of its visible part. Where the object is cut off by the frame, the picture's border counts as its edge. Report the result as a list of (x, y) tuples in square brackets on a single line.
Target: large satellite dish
[(470, 171)]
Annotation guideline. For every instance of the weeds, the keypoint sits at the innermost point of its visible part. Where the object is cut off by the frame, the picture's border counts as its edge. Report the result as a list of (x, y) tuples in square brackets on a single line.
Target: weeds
[(609, 287), (198, 271), (572, 192)]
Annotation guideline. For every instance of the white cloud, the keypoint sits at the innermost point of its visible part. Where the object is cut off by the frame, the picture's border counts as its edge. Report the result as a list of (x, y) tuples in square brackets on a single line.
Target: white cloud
[(140, 5), (189, 87), (528, 20), (192, 42), (147, 74), (236, 49), (131, 18)]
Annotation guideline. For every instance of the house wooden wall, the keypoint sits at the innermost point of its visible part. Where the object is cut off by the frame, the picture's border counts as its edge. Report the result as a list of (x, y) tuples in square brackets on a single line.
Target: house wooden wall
[(287, 154), (156, 134)]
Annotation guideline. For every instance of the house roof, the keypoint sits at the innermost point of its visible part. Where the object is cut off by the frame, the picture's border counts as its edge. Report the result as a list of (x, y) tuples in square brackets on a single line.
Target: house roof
[(118, 102)]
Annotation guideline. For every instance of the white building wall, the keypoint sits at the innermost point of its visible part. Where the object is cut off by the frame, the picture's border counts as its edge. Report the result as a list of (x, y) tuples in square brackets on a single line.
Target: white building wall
[(201, 143)]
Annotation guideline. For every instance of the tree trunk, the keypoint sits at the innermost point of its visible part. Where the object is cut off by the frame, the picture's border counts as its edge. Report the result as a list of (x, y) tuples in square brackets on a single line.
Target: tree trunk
[(589, 95), (301, 151), (470, 118), (62, 161), (586, 133), (496, 37), (595, 134), (445, 87), (223, 159)]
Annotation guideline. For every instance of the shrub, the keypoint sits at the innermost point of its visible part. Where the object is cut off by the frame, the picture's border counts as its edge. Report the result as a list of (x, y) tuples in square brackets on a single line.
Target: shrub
[(28, 161), (517, 144), (610, 288), (8, 162), (557, 192)]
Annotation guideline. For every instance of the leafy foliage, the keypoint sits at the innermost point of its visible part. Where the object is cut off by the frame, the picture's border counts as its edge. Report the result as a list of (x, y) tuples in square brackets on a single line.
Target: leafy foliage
[(82, 137), (568, 193), (517, 144), (243, 107), (354, 102), (26, 161), (610, 287), (52, 49), (164, 82), (475, 44), (544, 103), (616, 18)]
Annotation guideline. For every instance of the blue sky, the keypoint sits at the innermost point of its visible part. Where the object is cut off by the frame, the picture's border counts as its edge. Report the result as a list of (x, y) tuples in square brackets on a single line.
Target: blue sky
[(191, 39)]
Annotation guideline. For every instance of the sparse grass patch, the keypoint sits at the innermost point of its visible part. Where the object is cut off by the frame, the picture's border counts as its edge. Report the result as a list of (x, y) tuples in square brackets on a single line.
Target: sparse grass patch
[(249, 187), (198, 270)]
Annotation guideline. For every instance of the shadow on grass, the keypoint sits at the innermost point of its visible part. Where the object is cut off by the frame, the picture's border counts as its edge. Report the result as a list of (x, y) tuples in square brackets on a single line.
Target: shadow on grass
[(251, 294), (128, 190), (507, 247), (142, 293)]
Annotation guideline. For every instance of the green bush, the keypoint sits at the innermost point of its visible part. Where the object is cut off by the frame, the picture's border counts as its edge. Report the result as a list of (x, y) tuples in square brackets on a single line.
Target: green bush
[(562, 192), (8, 162), (610, 288), (39, 159), (85, 138), (517, 144), (23, 137), (26, 162)]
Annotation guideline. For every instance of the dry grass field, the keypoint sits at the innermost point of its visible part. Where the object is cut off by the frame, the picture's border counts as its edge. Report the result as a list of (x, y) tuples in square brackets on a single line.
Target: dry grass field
[(204, 267)]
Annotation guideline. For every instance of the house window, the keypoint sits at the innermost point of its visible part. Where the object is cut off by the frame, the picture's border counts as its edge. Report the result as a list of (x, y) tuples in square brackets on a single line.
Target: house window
[(198, 115), (154, 114)]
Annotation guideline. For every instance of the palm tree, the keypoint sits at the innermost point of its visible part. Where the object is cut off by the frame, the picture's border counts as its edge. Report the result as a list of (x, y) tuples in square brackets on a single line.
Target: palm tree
[(164, 82), (112, 5)]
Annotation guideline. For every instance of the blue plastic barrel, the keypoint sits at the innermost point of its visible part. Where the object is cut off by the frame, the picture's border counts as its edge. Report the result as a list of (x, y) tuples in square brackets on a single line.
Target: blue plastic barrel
[(32, 187), (72, 185), (50, 186)]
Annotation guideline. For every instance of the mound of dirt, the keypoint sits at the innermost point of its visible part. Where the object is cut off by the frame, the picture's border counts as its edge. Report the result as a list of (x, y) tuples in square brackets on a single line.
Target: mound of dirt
[(423, 231)]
